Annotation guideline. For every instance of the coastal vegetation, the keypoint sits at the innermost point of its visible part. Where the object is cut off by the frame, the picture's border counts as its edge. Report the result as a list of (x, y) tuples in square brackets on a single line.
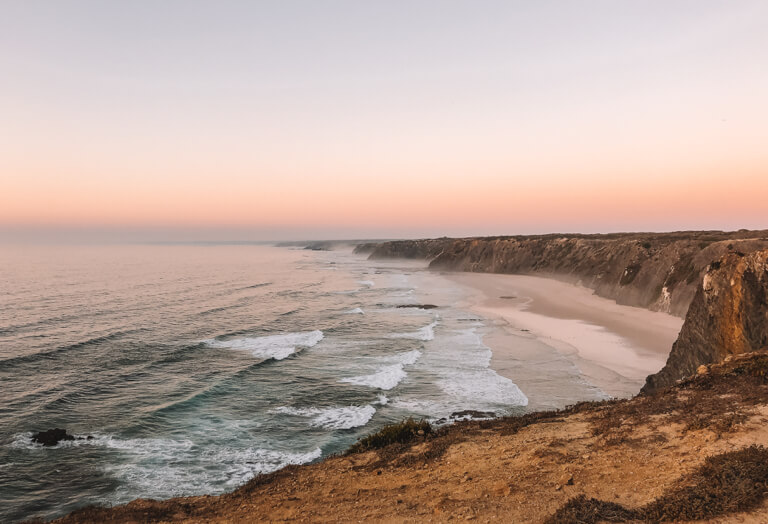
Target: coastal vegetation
[(689, 451), (403, 432)]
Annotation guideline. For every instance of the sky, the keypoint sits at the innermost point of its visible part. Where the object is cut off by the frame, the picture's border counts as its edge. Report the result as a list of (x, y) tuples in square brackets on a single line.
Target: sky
[(188, 119)]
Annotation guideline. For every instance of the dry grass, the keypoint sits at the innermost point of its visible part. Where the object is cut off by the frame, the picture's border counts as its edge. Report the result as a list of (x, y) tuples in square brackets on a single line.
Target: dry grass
[(726, 483), (717, 401)]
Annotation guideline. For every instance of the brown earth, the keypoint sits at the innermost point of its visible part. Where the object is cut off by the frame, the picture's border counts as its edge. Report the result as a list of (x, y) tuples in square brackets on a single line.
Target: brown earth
[(680, 454)]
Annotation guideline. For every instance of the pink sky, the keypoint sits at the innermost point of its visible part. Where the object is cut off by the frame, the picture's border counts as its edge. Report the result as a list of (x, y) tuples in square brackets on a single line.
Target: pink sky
[(384, 120)]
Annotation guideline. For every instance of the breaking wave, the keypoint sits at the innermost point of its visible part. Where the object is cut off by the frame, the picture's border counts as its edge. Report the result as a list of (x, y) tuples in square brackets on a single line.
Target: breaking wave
[(346, 417), (276, 347)]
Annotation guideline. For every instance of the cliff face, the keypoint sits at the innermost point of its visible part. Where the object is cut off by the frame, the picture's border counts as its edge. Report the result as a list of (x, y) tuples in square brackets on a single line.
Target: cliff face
[(656, 271), (728, 316), (424, 249)]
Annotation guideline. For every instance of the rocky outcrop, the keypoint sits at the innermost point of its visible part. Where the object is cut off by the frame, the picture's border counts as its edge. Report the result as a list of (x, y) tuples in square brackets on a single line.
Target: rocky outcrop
[(51, 437), (658, 271), (728, 316)]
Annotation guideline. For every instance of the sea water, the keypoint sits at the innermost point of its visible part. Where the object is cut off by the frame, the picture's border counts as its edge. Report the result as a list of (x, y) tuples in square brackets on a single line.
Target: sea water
[(196, 367)]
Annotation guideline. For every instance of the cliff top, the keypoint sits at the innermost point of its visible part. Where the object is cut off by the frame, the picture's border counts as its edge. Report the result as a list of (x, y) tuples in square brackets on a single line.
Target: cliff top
[(683, 453)]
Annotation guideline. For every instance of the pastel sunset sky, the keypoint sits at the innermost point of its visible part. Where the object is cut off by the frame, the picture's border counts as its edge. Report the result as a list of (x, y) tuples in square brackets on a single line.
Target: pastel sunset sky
[(359, 119)]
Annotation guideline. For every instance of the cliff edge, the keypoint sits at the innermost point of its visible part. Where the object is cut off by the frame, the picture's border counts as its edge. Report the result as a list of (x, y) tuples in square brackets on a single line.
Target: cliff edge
[(687, 453), (728, 316)]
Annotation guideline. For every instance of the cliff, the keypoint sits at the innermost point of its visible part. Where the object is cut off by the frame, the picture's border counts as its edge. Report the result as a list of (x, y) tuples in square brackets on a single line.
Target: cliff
[(717, 280), (426, 248), (687, 453), (728, 316), (658, 271)]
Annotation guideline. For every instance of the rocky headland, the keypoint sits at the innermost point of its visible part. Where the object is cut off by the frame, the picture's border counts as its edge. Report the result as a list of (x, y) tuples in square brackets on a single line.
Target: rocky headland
[(728, 316), (717, 280)]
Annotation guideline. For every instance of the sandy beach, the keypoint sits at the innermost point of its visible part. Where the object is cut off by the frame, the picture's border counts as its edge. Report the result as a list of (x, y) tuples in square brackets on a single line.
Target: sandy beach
[(560, 341)]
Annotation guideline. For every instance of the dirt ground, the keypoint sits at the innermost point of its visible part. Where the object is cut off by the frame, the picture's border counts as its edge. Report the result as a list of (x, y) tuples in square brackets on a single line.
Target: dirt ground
[(632, 456)]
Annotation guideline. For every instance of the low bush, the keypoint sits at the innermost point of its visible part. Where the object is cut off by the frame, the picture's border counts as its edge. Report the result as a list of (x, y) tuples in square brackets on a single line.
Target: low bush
[(401, 433)]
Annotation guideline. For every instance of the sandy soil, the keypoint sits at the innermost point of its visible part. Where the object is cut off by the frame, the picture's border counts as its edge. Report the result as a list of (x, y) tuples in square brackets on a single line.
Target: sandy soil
[(614, 347), (629, 452)]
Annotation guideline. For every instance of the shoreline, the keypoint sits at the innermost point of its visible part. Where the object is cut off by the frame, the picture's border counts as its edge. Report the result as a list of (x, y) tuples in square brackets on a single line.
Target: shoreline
[(542, 320)]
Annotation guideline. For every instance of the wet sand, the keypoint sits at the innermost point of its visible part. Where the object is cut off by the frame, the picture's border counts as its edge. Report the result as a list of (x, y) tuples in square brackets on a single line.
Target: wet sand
[(541, 325)]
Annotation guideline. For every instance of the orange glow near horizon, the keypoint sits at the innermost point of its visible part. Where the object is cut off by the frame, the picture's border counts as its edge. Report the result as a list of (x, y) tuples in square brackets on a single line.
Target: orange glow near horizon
[(531, 123)]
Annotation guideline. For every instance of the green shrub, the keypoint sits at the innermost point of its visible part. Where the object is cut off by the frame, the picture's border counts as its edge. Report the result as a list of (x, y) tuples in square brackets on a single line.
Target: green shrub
[(401, 433)]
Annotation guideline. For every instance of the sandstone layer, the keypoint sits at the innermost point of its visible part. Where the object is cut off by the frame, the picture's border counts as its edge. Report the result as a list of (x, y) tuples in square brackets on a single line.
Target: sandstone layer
[(728, 316)]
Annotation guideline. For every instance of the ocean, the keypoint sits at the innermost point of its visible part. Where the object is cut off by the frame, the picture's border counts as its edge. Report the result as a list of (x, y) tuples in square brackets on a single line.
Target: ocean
[(196, 367)]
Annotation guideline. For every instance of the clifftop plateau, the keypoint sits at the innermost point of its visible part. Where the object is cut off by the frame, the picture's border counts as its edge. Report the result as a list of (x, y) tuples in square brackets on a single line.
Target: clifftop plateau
[(686, 453)]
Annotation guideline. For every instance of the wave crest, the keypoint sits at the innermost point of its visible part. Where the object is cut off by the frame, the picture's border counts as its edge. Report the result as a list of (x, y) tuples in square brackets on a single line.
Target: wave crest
[(276, 347), (346, 417)]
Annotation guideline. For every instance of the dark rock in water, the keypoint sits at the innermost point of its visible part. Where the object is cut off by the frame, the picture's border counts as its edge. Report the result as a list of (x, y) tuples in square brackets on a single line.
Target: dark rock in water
[(473, 414), (418, 306), (51, 437), (54, 436), (467, 413)]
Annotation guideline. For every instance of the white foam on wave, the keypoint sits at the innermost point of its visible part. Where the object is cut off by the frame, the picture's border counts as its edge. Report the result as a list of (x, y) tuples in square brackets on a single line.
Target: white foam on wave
[(165, 468), (355, 311), (386, 378), (425, 334), (389, 376), (464, 379), (277, 347), (467, 374), (367, 283), (486, 385), (345, 417), (408, 358)]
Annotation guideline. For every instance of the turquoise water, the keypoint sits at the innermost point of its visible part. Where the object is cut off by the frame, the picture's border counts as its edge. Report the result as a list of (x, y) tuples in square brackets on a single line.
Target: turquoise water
[(197, 367)]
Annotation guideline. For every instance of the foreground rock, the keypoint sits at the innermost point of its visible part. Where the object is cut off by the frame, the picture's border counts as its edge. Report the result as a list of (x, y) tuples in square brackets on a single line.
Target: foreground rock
[(52, 437), (684, 453), (728, 316)]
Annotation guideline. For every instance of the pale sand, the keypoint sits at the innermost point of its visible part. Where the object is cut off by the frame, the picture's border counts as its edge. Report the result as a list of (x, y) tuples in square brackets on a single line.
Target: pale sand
[(613, 347)]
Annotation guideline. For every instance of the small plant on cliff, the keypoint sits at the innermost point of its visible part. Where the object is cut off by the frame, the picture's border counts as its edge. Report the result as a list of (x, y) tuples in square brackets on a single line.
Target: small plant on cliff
[(403, 432), (756, 367)]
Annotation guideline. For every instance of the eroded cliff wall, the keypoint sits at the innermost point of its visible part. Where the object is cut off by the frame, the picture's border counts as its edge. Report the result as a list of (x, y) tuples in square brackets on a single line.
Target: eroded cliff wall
[(659, 271), (728, 316)]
